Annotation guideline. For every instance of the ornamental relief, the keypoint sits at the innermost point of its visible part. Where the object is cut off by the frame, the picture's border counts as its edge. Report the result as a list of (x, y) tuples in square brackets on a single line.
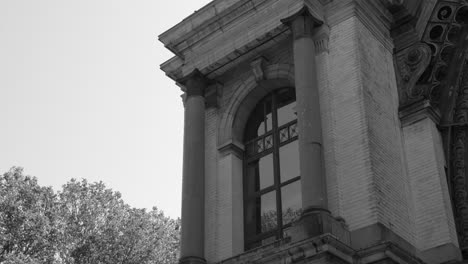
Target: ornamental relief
[(458, 178), (412, 65), (433, 70), (423, 80)]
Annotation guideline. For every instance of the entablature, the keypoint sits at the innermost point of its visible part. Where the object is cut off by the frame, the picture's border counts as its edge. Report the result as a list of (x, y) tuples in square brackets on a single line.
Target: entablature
[(247, 26)]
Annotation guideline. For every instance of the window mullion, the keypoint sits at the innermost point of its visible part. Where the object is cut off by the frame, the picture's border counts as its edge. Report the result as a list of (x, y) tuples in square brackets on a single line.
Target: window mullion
[(276, 167)]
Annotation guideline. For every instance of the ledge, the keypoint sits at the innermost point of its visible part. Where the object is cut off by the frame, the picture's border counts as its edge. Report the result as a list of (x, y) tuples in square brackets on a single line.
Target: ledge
[(282, 250)]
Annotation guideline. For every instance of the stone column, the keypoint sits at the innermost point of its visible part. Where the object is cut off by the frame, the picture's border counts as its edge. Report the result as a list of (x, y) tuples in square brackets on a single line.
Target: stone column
[(314, 195), (193, 175)]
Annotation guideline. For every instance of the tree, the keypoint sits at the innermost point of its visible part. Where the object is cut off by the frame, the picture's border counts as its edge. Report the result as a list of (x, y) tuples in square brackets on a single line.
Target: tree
[(98, 227), (86, 212), (82, 224), (27, 219), (19, 258)]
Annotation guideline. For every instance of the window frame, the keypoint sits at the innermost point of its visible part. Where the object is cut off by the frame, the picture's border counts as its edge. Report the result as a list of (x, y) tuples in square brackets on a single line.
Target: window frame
[(250, 240)]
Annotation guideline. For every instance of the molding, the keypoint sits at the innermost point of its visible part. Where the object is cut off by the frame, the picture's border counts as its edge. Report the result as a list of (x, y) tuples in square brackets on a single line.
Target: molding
[(313, 223), (321, 38), (302, 23), (246, 95), (370, 13), (283, 251), (442, 254), (418, 111), (324, 249), (411, 64), (387, 252), (232, 147), (194, 84), (205, 22), (258, 68), (365, 238), (259, 28)]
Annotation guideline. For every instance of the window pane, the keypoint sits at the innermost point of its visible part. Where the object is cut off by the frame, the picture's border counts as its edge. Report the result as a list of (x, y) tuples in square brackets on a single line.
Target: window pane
[(287, 113), (260, 174), (268, 211), (289, 161), (268, 115), (291, 201)]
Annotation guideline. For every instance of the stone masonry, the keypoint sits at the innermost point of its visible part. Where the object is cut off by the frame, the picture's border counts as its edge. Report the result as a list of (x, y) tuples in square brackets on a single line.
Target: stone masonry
[(386, 198)]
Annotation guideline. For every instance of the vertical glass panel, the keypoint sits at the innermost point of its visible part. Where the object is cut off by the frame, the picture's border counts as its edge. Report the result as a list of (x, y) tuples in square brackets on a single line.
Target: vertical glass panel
[(289, 161), (291, 201), (262, 171), (268, 114), (268, 214), (287, 113), (261, 129)]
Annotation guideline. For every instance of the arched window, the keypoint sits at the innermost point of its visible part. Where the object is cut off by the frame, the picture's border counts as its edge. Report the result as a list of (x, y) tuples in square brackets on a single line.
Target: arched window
[(272, 187)]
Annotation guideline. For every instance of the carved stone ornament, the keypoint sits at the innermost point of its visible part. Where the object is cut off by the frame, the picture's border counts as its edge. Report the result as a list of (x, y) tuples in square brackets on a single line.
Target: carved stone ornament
[(458, 159), (412, 65), (257, 69)]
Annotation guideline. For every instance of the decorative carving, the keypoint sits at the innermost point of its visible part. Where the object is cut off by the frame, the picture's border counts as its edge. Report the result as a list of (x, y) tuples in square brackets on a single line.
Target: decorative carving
[(459, 175), (302, 23), (321, 37), (194, 84), (257, 68), (413, 64)]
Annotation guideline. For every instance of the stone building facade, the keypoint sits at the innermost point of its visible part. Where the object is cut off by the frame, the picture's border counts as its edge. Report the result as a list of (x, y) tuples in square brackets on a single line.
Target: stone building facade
[(323, 131)]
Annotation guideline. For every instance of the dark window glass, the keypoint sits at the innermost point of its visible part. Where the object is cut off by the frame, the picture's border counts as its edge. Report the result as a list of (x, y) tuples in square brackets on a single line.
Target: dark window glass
[(289, 161), (262, 172), (268, 212), (291, 201), (272, 191)]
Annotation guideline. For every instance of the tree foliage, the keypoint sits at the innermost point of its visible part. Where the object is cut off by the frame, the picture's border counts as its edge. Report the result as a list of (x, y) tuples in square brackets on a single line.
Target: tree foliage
[(83, 223), (27, 218)]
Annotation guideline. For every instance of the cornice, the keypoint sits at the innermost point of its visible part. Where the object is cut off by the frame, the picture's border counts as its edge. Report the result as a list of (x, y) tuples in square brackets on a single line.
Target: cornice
[(219, 15), (417, 111), (200, 17), (214, 22), (410, 18), (260, 29), (372, 14)]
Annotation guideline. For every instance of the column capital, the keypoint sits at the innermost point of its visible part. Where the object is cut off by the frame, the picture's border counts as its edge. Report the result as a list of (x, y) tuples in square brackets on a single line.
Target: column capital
[(194, 83), (302, 23), (321, 37)]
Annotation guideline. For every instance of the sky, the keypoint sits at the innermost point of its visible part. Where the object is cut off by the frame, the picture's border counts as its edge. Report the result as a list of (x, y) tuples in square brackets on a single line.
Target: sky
[(82, 95)]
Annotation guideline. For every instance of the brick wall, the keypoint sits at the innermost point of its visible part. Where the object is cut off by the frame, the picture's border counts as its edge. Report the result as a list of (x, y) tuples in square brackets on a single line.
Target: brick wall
[(347, 141), (365, 146), (433, 214), (364, 154), (391, 192), (211, 185)]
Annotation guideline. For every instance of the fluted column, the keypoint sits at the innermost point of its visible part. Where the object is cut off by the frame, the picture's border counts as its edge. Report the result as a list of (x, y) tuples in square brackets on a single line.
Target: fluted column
[(314, 195), (193, 175)]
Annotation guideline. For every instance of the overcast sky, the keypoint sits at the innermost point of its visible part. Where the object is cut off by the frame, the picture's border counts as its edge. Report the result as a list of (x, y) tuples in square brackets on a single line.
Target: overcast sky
[(82, 95)]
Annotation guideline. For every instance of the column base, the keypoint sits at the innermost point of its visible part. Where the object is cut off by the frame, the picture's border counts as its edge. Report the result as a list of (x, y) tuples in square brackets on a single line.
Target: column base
[(192, 260), (317, 222)]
